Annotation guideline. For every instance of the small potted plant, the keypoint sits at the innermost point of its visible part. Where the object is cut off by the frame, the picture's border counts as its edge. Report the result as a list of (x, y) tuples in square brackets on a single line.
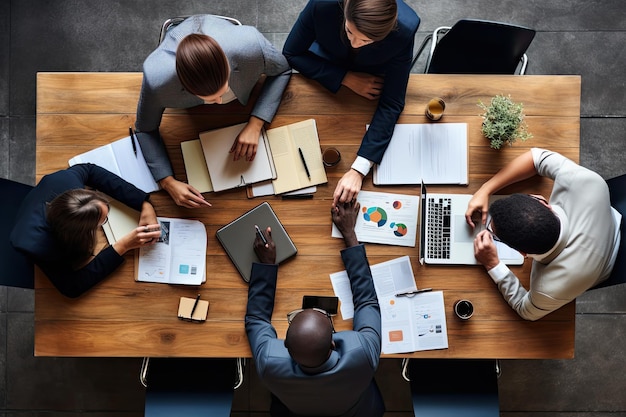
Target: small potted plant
[(503, 121)]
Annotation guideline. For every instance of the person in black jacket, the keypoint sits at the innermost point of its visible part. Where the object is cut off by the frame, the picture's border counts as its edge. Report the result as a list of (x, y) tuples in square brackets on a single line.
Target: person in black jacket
[(57, 223)]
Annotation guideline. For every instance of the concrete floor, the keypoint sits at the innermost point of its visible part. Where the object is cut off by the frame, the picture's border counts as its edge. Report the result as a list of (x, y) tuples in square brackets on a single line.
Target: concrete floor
[(586, 37)]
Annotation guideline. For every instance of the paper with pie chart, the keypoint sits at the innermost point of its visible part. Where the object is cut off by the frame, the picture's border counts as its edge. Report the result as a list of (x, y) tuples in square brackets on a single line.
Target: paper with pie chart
[(386, 218)]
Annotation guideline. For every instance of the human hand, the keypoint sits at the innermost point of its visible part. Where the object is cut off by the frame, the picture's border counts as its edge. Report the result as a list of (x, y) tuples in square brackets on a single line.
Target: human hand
[(344, 216), (477, 209), (365, 85), (348, 187), (140, 236), (485, 250), (265, 251), (183, 194), (247, 141), (148, 215)]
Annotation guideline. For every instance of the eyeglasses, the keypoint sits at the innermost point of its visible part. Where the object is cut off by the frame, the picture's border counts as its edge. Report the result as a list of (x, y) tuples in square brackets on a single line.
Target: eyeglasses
[(292, 314), (490, 230)]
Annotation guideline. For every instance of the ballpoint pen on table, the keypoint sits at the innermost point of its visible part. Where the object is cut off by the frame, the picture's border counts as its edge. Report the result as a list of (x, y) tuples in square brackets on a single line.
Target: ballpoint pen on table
[(306, 168), (261, 235), (411, 293), (193, 309), (132, 140), (297, 196)]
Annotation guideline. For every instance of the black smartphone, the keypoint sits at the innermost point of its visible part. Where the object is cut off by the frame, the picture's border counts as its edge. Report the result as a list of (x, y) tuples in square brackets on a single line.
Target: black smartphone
[(328, 304)]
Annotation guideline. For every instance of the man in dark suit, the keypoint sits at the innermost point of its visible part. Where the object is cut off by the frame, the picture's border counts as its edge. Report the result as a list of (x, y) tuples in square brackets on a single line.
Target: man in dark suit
[(314, 371)]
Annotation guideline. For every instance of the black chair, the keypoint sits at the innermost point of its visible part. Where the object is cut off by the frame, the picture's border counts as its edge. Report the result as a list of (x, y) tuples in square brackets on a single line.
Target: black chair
[(617, 191), (190, 387), (453, 387), (477, 47), (16, 269)]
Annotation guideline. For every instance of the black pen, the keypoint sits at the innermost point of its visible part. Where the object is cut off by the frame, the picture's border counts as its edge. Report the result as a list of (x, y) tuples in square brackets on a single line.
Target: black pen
[(194, 306), (410, 293), (306, 168), (297, 197), (132, 140), (260, 233)]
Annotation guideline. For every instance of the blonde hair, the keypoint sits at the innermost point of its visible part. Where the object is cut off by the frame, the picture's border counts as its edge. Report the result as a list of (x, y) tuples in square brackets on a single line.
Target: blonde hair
[(201, 65), (373, 18)]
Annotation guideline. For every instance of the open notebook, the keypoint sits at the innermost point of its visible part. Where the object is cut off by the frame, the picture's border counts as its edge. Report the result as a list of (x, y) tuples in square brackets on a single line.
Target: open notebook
[(210, 166)]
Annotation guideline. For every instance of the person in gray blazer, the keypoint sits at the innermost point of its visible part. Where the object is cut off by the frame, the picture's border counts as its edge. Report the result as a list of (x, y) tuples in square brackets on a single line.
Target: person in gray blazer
[(207, 60)]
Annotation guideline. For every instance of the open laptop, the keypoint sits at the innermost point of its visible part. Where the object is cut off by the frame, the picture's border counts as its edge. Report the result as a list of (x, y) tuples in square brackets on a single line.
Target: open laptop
[(445, 236)]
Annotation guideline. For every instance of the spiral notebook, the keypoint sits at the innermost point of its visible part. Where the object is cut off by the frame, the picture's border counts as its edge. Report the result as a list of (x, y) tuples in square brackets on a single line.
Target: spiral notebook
[(237, 238)]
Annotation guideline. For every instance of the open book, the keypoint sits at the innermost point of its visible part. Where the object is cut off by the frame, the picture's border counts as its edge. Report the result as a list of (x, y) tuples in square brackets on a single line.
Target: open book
[(119, 158), (409, 324), (210, 166), (179, 257), (433, 153)]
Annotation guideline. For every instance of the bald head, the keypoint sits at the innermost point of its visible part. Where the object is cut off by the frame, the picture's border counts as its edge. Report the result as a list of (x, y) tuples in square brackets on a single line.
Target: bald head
[(309, 338)]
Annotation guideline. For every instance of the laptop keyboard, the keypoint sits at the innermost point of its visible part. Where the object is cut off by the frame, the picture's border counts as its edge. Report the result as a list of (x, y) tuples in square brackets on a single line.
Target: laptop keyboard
[(438, 222)]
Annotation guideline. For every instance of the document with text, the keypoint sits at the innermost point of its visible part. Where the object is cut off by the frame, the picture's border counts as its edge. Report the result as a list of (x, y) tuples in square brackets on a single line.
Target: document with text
[(180, 255), (390, 219), (409, 324)]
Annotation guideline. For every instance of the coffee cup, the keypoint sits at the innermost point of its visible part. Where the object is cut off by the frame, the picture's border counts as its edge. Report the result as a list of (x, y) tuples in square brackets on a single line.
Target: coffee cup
[(331, 157), (464, 309), (435, 108)]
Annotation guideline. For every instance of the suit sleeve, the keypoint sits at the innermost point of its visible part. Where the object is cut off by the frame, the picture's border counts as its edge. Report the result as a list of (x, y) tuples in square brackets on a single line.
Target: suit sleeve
[(102, 180), (296, 50), (278, 74), (261, 295), (149, 114), (366, 307), (390, 105)]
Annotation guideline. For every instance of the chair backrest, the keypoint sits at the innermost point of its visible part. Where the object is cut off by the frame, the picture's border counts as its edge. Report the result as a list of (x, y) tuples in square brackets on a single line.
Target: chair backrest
[(190, 387), (453, 387), (617, 191), (15, 269), (175, 21), (480, 47)]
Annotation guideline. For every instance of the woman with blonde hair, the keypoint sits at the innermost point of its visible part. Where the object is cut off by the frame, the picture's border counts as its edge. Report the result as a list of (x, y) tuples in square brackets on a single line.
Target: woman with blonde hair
[(58, 220), (207, 60), (366, 46)]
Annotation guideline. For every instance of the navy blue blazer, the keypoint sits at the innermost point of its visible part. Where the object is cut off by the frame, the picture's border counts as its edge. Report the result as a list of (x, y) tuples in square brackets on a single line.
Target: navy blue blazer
[(318, 48), (33, 236), (344, 384)]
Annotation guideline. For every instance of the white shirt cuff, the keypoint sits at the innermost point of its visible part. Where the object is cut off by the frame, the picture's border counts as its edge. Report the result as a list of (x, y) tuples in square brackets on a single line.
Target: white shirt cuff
[(362, 165), (498, 272)]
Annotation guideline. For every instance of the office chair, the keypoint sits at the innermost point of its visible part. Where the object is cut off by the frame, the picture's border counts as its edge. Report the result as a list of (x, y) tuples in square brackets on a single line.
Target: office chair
[(453, 387), (190, 387), (477, 47), (175, 21), (617, 191), (15, 268)]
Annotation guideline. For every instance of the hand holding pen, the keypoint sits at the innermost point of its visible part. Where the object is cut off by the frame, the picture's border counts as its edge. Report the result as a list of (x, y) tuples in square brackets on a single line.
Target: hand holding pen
[(264, 245)]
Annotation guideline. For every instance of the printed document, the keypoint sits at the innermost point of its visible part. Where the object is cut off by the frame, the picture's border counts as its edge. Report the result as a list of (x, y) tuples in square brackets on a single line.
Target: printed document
[(180, 255), (409, 324), (386, 218), (435, 153)]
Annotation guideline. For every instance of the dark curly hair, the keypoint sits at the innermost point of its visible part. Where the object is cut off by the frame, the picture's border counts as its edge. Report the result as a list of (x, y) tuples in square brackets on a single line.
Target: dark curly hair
[(525, 224)]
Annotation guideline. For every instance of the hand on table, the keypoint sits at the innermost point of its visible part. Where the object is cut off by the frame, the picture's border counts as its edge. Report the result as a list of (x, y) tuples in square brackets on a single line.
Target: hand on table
[(365, 85), (348, 187), (183, 194)]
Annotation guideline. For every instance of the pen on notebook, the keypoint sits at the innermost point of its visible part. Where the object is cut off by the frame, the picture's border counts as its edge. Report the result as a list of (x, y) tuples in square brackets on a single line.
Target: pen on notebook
[(306, 168), (132, 140), (408, 294), (193, 309), (261, 235)]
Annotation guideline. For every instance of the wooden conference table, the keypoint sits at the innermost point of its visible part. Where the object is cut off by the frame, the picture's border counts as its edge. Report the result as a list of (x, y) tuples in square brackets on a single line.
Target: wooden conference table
[(120, 317)]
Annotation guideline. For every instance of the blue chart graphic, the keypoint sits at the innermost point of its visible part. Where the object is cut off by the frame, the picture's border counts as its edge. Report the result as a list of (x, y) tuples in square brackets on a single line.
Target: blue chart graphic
[(375, 215)]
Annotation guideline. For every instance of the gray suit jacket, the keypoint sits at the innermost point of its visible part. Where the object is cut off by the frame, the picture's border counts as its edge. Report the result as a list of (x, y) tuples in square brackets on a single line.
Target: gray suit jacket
[(249, 54)]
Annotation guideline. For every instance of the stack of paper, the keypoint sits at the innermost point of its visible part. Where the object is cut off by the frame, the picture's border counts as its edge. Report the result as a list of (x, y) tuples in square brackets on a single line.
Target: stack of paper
[(433, 153), (409, 324)]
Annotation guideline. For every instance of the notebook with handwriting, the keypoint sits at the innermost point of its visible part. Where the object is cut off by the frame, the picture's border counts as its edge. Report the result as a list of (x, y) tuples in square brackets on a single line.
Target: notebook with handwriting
[(237, 238)]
